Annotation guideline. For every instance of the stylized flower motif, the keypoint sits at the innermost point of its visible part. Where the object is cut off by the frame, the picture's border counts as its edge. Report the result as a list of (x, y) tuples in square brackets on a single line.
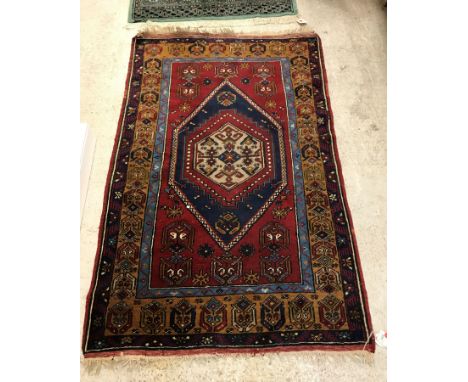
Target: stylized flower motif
[(263, 339), (105, 267), (270, 104), (297, 47), (205, 250), (153, 50), (200, 279), (355, 315), (289, 336), (277, 48), (316, 337), (341, 241), (184, 107), (251, 278), (207, 340), (173, 212), (237, 49), (98, 321), (181, 340), (257, 49), (246, 250), (217, 49), (207, 81), (348, 263), (99, 344), (344, 335), (340, 218), (245, 80), (198, 48), (126, 340), (280, 213)]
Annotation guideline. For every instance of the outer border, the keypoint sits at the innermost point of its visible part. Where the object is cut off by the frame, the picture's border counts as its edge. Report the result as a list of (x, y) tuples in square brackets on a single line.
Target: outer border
[(238, 17), (369, 346), (107, 196), (364, 296)]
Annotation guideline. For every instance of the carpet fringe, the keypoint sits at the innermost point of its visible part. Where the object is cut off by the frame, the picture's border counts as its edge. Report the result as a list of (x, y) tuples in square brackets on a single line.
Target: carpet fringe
[(213, 23), (147, 368), (272, 28), (290, 32)]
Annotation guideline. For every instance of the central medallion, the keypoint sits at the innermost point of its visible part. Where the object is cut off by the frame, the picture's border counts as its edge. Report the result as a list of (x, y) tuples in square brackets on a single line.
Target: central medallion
[(228, 163), (229, 156)]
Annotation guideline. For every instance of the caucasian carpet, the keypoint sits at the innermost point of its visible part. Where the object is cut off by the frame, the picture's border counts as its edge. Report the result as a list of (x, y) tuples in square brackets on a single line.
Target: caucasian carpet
[(225, 225), (176, 10)]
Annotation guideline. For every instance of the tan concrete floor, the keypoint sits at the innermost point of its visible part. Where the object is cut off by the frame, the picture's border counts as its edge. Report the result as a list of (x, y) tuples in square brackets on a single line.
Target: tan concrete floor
[(354, 41)]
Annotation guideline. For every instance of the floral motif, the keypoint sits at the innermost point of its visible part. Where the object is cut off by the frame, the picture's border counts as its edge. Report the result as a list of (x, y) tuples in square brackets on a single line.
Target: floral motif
[(205, 250), (201, 279), (247, 250)]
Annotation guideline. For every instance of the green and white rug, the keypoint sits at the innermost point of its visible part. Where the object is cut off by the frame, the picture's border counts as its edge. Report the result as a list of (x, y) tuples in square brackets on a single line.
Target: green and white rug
[(174, 10)]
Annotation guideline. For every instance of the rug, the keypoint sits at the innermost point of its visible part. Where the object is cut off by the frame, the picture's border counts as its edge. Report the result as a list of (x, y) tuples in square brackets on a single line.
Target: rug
[(225, 225), (174, 10)]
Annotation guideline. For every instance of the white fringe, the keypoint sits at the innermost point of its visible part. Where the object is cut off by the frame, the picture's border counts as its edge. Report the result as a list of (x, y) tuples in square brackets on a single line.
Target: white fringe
[(262, 26), (221, 366)]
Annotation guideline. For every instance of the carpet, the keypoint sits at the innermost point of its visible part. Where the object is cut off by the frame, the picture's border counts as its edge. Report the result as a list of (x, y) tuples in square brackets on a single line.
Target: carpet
[(225, 225), (174, 10)]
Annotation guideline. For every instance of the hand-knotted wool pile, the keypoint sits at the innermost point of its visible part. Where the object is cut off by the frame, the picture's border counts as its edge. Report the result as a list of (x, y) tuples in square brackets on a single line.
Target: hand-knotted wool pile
[(225, 225), (173, 10)]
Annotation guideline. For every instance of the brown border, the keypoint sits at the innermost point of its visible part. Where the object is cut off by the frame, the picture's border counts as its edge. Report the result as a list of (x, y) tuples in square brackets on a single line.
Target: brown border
[(370, 346)]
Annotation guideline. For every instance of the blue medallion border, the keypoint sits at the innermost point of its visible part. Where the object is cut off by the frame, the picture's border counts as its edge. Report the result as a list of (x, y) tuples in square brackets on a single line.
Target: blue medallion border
[(144, 289)]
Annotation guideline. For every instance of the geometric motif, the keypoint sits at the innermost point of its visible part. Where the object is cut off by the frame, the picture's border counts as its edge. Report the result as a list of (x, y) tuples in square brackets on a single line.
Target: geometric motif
[(124, 284), (229, 156), (225, 222), (327, 279), (119, 318), (175, 270), (274, 236), (152, 318), (301, 311), (226, 269), (244, 315), (272, 313), (332, 312), (213, 316), (177, 237), (182, 317), (238, 163), (275, 268)]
